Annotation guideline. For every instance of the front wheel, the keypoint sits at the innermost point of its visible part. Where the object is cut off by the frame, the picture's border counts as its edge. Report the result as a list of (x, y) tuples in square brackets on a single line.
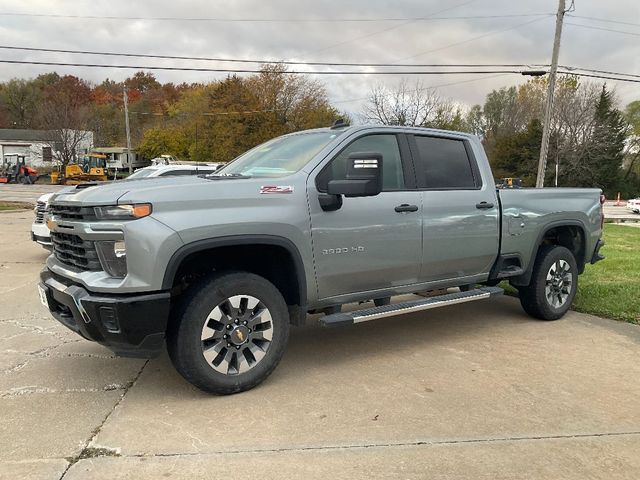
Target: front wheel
[(232, 333), (553, 285)]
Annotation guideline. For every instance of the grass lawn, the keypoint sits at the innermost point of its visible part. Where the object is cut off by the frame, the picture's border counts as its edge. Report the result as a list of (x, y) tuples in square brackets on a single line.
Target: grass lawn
[(610, 288), (13, 206)]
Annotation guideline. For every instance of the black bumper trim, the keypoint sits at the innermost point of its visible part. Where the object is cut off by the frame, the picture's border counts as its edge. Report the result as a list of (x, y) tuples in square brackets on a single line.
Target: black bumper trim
[(142, 318), (597, 256)]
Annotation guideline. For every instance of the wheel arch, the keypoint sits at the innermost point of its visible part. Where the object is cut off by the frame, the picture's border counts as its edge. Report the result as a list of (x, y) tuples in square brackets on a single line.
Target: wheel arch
[(567, 233), (216, 248)]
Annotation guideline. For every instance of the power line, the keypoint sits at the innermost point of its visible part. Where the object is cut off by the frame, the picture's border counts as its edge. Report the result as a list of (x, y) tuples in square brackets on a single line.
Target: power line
[(605, 77), (243, 60), (325, 72), (267, 20), (431, 86), (344, 42), (607, 72), (592, 27), (493, 32), (605, 20), (237, 70)]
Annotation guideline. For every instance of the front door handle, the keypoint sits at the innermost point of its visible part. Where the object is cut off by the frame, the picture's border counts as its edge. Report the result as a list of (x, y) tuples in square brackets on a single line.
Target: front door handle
[(484, 205), (405, 207)]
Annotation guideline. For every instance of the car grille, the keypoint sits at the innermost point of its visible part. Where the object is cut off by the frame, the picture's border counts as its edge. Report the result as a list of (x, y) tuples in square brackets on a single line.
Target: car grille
[(66, 212), (72, 250), (40, 211)]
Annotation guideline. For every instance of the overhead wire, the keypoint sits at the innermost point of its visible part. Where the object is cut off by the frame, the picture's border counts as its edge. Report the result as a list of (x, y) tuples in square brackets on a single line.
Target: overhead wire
[(256, 61), (493, 32)]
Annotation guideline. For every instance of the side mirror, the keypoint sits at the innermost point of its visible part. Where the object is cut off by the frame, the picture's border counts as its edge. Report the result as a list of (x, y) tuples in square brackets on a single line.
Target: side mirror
[(364, 176)]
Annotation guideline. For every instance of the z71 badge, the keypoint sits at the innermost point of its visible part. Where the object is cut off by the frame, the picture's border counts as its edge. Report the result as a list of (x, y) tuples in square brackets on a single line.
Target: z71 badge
[(276, 189)]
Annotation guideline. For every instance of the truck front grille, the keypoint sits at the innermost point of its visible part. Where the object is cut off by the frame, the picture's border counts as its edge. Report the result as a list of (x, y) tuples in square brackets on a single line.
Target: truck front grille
[(66, 212), (40, 211), (74, 251)]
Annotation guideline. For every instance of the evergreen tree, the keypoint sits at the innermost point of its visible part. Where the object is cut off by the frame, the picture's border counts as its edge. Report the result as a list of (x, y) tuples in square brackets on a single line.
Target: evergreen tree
[(603, 159)]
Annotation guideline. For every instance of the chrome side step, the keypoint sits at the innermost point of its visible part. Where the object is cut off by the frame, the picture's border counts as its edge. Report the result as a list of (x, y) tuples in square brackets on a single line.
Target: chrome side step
[(359, 316)]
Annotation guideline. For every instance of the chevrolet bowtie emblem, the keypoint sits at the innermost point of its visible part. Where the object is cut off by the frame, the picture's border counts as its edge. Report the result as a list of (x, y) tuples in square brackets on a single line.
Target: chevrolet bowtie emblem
[(51, 223), (240, 335)]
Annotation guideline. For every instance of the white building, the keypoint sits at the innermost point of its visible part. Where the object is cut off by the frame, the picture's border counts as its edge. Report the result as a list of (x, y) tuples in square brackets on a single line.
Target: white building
[(38, 146)]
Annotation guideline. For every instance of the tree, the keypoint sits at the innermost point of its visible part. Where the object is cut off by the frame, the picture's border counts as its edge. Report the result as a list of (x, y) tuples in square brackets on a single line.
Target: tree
[(516, 154), (632, 116), (603, 160), (404, 105), (20, 99), (65, 112)]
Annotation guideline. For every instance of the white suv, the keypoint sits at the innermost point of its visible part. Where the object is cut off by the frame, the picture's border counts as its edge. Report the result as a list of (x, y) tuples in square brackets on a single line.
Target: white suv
[(39, 229), (174, 169), (634, 205)]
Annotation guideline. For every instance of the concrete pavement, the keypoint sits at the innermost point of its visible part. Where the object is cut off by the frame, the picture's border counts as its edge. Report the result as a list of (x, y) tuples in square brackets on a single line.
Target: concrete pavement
[(25, 193), (472, 391)]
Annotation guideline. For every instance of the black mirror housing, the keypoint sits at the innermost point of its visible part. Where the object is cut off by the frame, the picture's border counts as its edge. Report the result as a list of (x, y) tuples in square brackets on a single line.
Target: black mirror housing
[(364, 176)]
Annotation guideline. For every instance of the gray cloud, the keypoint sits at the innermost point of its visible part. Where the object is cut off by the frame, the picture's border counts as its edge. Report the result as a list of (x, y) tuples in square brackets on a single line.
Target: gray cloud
[(529, 43)]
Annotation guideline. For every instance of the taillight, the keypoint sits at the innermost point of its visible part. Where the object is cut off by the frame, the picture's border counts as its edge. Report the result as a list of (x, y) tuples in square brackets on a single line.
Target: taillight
[(602, 200)]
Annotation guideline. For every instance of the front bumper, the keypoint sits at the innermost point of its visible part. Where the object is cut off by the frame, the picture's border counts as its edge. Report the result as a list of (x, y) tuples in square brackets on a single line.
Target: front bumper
[(131, 325), (40, 233)]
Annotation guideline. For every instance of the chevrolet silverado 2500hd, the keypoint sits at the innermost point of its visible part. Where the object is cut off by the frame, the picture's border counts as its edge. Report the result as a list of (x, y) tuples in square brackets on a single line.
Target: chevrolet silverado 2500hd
[(217, 267)]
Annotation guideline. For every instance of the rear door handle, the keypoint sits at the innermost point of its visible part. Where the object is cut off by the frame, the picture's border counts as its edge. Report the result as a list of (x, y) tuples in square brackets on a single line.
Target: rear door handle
[(484, 205), (405, 207)]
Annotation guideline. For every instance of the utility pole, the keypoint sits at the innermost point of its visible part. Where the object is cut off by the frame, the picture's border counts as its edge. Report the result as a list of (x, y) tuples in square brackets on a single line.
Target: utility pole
[(126, 126), (548, 110)]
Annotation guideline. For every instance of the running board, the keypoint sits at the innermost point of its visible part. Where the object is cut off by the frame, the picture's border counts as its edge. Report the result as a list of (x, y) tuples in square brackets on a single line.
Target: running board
[(358, 316)]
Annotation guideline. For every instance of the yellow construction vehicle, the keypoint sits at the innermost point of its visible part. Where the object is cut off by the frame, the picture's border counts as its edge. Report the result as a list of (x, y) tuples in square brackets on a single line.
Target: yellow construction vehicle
[(91, 168)]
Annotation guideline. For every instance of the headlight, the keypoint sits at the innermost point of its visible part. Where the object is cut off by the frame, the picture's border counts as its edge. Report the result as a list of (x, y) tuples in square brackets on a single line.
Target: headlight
[(123, 212), (113, 257)]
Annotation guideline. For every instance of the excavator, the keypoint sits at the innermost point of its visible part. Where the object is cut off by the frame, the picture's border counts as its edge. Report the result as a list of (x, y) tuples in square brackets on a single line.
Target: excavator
[(91, 168)]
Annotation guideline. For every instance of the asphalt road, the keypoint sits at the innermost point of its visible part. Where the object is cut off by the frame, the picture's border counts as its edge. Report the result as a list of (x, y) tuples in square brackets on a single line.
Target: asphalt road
[(473, 391)]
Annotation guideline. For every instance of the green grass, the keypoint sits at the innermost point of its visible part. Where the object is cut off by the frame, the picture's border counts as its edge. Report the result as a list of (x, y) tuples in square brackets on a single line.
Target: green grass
[(610, 288), (13, 206)]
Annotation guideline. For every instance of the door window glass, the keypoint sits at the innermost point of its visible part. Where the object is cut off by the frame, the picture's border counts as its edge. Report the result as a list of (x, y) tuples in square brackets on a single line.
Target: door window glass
[(387, 145), (443, 163)]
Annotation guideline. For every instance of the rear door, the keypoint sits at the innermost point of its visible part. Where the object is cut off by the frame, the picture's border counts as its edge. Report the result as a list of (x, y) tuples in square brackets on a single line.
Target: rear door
[(460, 212), (369, 243)]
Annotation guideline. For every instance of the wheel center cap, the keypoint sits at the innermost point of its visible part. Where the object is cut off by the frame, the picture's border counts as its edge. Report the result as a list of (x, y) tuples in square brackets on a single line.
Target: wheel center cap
[(239, 335)]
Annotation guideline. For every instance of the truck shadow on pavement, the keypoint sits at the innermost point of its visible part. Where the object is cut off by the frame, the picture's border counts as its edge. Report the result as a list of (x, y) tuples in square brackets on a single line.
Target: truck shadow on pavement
[(392, 343)]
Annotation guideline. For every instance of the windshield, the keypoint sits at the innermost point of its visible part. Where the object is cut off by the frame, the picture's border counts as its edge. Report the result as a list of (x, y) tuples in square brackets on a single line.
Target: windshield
[(143, 172), (280, 156)]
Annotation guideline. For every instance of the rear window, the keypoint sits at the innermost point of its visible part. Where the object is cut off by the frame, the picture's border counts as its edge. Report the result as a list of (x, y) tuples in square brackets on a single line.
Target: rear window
[(443, 163)]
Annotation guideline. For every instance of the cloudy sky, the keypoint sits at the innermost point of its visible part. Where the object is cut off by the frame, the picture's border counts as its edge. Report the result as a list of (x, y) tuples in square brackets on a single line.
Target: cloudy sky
[(515, 32)]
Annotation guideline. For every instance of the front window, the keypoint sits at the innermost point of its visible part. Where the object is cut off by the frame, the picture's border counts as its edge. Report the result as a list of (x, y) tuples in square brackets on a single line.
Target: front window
[(279, 157)]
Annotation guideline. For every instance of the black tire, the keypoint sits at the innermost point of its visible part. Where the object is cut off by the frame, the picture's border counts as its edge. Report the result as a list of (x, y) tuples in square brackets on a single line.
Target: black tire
[(194, 315), (551, 299)]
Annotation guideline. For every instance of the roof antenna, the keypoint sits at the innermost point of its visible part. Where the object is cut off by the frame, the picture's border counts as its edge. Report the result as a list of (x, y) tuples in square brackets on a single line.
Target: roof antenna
[(339, 123)]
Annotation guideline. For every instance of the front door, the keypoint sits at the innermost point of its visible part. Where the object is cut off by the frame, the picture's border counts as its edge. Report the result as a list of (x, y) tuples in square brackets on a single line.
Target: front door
[(369, 243)]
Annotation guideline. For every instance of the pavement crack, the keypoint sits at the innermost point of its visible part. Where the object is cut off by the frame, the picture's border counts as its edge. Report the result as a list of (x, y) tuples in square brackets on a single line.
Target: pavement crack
[(90, 450), (427, 443)]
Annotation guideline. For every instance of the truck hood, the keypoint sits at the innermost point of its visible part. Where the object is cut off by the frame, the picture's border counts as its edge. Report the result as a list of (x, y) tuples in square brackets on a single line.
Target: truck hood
[(165, 191)]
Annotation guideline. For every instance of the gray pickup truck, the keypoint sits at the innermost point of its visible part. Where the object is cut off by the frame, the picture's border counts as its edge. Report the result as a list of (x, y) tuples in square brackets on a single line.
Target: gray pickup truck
[(219, 266)]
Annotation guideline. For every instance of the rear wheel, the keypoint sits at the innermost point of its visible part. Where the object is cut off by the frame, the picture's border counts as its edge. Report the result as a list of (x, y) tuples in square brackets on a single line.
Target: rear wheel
[(231, 335), (553, 285)]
